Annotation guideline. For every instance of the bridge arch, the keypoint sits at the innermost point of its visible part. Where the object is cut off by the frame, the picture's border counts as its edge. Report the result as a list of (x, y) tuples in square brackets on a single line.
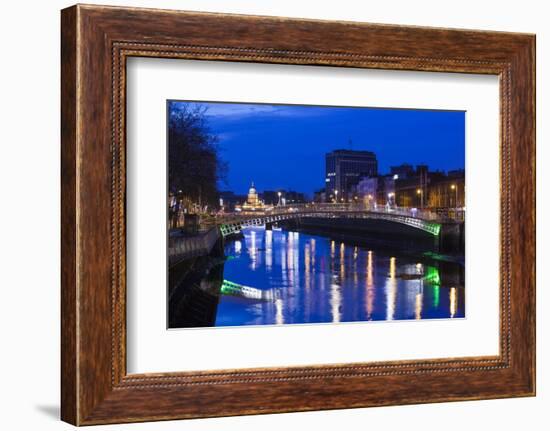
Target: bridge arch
[(236, 226)]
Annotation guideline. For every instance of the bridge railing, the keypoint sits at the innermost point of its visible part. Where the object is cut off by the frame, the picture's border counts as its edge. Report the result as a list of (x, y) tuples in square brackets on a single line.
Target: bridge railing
[(235, 226), (336, 208)]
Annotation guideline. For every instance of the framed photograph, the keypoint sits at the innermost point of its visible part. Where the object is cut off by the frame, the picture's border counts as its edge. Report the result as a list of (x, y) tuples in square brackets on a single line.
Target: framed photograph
[(264, 215)]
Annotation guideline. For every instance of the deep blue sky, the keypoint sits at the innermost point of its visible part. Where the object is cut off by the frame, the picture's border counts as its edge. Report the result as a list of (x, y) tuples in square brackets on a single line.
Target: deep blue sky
[(284, 146)]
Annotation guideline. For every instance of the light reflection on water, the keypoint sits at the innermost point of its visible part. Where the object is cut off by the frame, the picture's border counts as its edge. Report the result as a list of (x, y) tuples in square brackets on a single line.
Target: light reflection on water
[(314, 279)]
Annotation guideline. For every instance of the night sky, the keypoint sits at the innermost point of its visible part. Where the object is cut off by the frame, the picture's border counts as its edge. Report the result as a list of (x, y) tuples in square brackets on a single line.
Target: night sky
[(284, 146)]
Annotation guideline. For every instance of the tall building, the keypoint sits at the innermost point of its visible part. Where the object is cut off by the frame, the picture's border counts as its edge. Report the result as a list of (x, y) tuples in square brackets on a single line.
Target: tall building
[(344, 169)]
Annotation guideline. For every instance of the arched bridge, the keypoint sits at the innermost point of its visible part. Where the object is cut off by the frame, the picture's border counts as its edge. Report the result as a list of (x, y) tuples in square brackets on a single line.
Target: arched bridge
[(424, 221)]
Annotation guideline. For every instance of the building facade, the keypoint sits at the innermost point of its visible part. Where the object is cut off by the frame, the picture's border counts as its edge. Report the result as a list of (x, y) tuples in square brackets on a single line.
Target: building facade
[(448, 191), (367, 191), (343, 171), (253, 201)]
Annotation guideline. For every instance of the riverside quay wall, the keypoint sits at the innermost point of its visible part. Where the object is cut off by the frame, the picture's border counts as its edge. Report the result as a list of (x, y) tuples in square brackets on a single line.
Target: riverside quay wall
[(450, 239)]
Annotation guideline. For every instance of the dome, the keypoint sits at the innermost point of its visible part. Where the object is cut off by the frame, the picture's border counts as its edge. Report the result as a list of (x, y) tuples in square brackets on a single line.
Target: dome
[(252, 190)]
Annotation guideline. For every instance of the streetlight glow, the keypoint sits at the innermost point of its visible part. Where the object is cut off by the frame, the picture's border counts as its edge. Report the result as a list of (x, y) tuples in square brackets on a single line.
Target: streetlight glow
[(455, 188), (419, 192)]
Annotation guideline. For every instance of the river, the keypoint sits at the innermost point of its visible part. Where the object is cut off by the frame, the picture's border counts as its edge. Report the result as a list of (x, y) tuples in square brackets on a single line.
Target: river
[(286, 277)]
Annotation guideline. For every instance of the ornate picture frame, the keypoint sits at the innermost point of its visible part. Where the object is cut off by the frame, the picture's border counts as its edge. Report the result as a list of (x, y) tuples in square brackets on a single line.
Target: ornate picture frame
[(96, 41)]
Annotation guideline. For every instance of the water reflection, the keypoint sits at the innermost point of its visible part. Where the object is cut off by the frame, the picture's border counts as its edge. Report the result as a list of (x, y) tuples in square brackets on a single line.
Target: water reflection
[(453, 301), (314, 279)]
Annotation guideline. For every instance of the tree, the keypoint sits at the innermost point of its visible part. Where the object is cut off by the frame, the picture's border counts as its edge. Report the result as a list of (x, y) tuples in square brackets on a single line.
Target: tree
[(194, 164)]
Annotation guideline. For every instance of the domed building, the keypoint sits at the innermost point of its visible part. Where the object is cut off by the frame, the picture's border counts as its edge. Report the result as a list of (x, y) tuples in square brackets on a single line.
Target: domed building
[(253, 198), (253, 202)]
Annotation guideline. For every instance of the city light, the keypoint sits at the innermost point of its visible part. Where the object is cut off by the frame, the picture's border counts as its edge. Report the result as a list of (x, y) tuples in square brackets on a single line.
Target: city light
[(281, 237), (419, 192), (455, 188), (453, 302)]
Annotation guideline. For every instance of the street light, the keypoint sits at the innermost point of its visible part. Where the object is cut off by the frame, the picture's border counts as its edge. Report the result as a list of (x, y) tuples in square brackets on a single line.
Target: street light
[(336, 194), (370, 201), (455, 188), (419, 192), (390, 196), (279, 203)]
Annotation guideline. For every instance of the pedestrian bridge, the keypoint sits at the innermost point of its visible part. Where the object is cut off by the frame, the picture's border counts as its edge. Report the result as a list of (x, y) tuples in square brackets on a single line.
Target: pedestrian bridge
[(424, 221)]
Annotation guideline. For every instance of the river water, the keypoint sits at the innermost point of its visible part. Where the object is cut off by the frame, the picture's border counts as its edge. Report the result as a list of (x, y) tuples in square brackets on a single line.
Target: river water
[(285, 277)]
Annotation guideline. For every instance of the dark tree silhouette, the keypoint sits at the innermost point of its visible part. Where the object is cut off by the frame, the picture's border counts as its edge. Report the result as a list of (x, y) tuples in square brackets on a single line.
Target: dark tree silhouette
[(194, 165)]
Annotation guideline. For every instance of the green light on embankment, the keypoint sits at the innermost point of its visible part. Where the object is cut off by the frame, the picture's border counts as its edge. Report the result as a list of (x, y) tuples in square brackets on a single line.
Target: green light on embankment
[(435, 228), (431, 275)]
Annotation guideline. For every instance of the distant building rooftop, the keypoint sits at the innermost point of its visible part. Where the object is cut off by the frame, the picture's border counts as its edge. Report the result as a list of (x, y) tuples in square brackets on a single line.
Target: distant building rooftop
[(352, 152)]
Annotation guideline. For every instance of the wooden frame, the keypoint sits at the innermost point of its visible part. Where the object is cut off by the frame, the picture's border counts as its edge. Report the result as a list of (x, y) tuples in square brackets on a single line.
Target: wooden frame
[(96, 41)]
